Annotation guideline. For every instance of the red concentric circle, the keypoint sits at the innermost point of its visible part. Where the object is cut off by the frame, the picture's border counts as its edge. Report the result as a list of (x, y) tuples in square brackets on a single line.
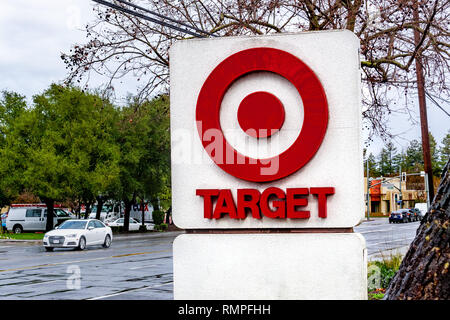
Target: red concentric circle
[(260, 114), (314, 123)]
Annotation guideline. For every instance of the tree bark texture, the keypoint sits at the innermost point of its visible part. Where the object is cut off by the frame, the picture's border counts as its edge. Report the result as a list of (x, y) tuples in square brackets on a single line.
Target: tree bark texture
[(424, 271), (99, 207), (126, 217), (50, 203)]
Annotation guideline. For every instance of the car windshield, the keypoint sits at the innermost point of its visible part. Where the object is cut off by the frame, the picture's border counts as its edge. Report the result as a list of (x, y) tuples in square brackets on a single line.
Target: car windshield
[(61, 213), (73, 225)]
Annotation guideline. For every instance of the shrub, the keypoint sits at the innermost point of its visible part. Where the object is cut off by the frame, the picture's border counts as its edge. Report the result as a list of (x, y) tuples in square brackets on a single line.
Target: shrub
[(158, 217), (380, 274), (161, 227)]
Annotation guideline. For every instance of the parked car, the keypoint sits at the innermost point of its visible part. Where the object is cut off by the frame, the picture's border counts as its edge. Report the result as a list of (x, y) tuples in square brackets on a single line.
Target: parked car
[(78, 234), (133, 226), (423, 208), (415, 214), (399, 216), (32, 217)]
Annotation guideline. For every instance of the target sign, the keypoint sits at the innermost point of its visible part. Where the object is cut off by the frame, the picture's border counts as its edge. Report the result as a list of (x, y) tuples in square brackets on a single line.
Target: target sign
[(242, 105), (262, 113)]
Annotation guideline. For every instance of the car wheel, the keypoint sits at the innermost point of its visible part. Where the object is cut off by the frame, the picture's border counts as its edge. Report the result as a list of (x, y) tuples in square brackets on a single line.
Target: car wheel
[(82, 244), (107, 242), (18, 228), (49, 249)]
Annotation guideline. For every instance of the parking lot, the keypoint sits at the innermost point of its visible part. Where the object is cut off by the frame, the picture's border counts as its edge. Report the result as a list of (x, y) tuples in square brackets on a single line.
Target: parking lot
[(134, 267)]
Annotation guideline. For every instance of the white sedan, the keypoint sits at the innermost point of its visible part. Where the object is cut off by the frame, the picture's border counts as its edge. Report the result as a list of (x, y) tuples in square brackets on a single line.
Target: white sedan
[(78, 234), (133, 226)]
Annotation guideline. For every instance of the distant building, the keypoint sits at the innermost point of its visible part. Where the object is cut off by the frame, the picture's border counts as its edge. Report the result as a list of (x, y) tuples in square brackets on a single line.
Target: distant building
[(392, 195)]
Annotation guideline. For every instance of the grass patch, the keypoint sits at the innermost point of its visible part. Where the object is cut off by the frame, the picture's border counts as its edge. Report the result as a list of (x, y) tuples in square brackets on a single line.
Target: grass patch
[(380, 274), (22, 236), (377, 294)]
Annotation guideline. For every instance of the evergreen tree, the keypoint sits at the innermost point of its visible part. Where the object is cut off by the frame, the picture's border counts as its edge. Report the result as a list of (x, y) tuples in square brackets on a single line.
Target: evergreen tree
[(445, 150), (386, 164)]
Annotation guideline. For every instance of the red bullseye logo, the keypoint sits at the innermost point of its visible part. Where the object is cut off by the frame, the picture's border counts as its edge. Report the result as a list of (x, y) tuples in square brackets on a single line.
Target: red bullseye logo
[(261, 114)]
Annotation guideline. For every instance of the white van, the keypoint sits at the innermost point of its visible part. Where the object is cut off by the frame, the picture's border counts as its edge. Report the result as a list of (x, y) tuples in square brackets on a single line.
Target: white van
[(32, 217), (422, 208)]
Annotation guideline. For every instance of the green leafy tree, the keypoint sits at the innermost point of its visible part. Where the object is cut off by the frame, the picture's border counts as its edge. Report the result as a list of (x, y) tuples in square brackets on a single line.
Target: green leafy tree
[(143, 138), (12, 105), (59, 150)]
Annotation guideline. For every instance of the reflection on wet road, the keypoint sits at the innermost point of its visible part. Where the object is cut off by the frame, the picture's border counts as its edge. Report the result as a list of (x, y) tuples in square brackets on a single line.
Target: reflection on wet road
[(132, 269)]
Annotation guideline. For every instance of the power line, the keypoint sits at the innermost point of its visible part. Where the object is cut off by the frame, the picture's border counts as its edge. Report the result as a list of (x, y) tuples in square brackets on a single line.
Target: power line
[(142, 16), (165, 17), (438, 98), (439, 106)]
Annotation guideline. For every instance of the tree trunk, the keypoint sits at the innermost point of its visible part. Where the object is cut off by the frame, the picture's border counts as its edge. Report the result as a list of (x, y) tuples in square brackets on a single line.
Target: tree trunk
[(88, 209), (99, 207), (143, 213), (424, 272), (50, 203), (78, 210), (155, 203), (126, 217)]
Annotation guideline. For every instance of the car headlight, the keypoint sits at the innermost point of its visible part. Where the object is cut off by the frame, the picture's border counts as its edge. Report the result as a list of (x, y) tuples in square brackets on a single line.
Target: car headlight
[(45, 236), (73, 235)]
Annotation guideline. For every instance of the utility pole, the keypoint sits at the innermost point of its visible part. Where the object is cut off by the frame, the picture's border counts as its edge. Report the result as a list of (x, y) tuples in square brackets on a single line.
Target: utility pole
[(368, 189), (400, 186), (423, 109)]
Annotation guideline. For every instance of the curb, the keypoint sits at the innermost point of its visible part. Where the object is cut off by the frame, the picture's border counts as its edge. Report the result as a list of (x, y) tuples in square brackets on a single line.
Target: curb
[(147, 235), (378, 256), (20, 241), (116, 238)]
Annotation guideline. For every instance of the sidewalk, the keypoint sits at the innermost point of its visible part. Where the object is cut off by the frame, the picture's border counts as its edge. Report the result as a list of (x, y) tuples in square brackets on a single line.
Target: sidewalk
[(386, 254)]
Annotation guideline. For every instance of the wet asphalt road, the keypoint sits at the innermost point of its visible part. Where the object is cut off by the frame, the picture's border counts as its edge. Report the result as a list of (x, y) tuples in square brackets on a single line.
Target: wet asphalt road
[(382, 236), (131, 269)]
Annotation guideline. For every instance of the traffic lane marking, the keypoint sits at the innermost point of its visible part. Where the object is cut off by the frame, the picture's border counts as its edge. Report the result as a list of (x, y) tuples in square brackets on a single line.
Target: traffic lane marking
[(385, 242), (129, 291), (82, 260), (142, 267)]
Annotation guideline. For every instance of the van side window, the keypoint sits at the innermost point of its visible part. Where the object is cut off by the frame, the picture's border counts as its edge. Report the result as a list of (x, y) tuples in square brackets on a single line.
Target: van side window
[(33, 213)]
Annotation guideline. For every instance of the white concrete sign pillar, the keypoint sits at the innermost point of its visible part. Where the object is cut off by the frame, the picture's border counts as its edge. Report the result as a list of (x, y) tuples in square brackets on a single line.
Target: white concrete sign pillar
[(270, 266), (266, 137)]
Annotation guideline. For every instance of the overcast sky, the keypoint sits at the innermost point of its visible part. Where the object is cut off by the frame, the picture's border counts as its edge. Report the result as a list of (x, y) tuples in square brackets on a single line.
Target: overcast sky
[(33, 33)]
